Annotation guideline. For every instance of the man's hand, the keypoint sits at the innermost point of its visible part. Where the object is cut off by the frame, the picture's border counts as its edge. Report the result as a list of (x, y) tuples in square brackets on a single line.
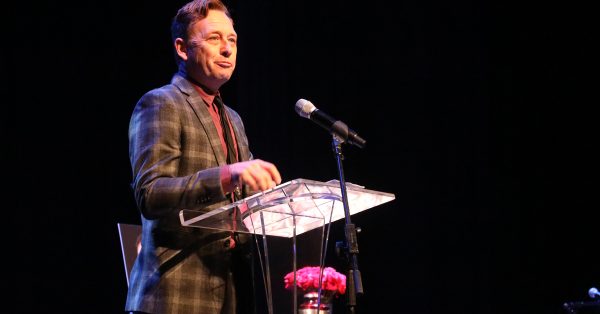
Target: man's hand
[(258, 174)]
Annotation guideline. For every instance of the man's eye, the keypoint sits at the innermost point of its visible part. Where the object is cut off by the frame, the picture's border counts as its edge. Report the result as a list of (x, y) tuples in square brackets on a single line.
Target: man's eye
[(233, 40), (214, 38)]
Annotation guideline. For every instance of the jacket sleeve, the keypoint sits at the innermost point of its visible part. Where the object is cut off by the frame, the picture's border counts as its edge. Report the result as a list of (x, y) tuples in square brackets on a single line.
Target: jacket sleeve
[(156, 152)]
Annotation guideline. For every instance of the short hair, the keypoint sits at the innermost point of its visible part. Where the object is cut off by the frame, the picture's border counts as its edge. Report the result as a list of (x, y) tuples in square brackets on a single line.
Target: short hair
[(191, 13)]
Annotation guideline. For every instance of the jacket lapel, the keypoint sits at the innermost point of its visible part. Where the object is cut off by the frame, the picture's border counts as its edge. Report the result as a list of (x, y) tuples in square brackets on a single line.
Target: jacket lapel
[(200, 109), (241, 144)]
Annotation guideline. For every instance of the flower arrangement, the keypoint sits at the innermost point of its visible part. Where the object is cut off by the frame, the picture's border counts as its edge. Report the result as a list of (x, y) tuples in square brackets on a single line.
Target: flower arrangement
[(307, 279)]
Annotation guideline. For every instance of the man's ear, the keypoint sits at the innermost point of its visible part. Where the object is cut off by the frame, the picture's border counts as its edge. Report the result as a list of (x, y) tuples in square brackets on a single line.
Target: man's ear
[(181, 48)]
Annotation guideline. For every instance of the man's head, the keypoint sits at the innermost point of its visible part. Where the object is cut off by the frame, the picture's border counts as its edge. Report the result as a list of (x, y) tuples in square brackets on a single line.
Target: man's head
[(205, 42)]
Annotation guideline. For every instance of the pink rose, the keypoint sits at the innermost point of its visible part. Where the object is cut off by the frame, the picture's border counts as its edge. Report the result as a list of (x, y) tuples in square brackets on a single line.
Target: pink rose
[(307, 278)]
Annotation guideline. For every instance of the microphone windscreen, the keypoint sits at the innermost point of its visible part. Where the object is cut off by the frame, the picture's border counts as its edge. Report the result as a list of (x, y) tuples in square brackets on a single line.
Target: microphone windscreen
[(593, 292), (304, 108)]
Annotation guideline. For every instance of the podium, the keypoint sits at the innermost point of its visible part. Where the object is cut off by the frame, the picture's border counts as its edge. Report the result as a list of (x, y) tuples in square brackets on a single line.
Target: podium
[(287, 210)]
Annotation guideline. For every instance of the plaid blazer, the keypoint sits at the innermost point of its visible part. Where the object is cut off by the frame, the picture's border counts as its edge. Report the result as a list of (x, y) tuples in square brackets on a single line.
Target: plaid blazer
[(175, 151)]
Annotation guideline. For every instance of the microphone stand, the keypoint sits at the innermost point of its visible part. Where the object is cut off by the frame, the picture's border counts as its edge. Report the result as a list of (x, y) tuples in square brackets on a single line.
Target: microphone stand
[(350, 248)]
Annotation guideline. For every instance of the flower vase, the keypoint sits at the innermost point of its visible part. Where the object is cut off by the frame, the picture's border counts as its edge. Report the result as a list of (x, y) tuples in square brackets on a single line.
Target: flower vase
[(310, 301)]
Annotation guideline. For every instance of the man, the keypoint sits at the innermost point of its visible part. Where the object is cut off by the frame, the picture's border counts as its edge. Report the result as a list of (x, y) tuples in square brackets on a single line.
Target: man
[(188, 151)]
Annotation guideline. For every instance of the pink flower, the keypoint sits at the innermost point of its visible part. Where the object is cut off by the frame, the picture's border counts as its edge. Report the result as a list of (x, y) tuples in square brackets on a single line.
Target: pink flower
[(307, 278)]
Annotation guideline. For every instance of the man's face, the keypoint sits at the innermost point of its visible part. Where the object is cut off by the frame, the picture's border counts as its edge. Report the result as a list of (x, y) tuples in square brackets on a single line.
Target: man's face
[(212, 50)]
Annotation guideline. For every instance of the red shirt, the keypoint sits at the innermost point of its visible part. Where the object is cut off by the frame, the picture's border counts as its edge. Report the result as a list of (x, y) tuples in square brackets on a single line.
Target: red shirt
[(226, 183)]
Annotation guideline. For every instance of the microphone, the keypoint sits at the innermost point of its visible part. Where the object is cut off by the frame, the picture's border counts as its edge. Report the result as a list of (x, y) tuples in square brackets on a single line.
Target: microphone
[(593, 292), (336, 127)]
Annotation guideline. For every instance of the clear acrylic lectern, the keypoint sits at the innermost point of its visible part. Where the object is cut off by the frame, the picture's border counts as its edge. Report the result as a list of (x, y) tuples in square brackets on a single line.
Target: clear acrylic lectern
[(286, 210), (300, 203)]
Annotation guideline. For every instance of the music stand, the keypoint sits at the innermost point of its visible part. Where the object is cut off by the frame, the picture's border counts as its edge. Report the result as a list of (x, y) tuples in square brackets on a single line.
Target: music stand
[(287, 210)]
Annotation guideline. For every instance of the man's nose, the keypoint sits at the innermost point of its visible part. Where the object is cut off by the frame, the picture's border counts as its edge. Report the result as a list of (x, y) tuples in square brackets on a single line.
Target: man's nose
[(226, 48)]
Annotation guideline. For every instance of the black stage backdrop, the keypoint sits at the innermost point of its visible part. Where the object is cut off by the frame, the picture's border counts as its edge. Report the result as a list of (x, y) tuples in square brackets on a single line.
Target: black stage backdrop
[(477, 116)]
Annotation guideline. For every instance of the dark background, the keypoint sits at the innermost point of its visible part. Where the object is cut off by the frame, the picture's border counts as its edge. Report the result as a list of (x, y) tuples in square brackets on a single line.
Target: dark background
[(478, 117)]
